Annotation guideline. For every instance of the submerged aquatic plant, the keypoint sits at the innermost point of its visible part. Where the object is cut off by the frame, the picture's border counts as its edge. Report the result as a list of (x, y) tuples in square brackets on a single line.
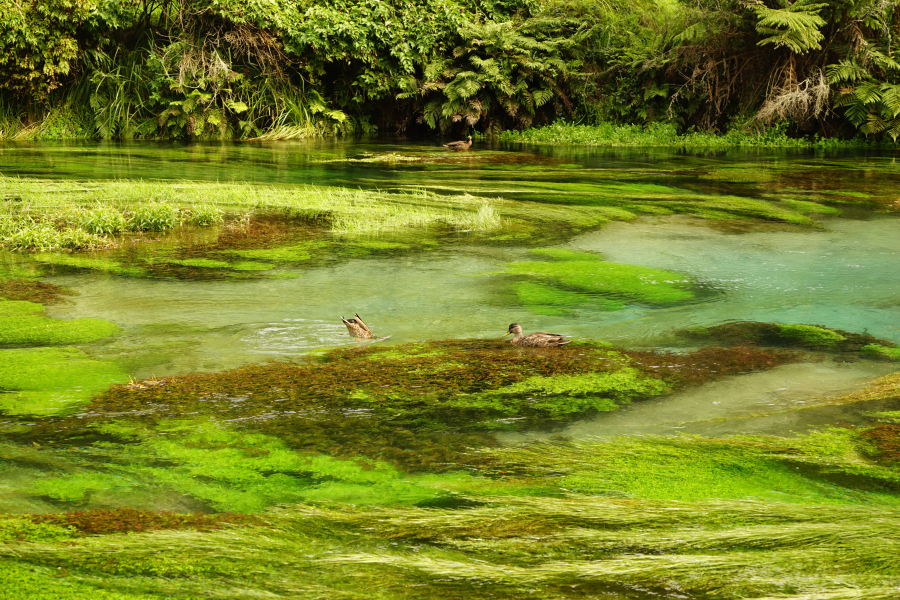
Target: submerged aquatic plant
[(612, 285), (881, 351), (625, 516), (24, 324), (50, 381), (38, 292), (809, 337)]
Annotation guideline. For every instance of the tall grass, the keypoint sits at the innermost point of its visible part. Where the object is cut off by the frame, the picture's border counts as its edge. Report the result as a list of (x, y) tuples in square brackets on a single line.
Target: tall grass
[(664, 134), (107, 208)]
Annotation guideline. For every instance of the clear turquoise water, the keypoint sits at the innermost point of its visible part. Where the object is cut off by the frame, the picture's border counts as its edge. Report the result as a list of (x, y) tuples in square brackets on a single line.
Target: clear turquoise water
[(842, 276)]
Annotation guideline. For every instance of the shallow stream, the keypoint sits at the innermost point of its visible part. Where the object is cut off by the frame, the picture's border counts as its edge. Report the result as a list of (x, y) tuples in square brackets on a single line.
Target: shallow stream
[(827, 255)]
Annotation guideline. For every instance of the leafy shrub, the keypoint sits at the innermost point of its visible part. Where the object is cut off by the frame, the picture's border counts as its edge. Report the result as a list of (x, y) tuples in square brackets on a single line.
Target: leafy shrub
[(153, 217)]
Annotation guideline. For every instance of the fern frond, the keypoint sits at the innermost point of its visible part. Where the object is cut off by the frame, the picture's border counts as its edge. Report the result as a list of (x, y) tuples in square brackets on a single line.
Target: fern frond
[(890, 99), (846, 70), (796, 26), (868, 92)]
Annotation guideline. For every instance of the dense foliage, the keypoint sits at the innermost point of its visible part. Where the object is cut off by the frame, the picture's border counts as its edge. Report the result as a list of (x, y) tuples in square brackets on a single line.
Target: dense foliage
[(228, 68)]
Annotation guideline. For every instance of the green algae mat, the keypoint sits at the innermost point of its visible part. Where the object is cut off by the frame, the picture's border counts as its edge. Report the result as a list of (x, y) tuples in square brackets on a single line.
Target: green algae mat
[(183, 415)]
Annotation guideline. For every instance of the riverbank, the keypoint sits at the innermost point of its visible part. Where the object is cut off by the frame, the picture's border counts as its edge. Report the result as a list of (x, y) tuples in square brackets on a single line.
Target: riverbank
[(666, 135)]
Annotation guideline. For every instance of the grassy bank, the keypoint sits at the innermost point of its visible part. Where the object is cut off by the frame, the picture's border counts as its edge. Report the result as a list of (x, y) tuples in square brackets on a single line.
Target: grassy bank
[(664, 134)]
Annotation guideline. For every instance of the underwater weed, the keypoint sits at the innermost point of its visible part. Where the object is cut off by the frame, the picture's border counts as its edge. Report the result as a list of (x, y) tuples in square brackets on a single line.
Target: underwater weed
[(420, 406), (37, 292), (708, 364), (809, 337), (885, 441), (586, 272), (130, 520), (51, 380), (24, 324), (880, 351)]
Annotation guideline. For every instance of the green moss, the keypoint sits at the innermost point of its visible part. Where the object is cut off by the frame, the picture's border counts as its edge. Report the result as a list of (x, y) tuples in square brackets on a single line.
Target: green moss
[(24, 324), (879, 351), (586, 272), (49, 380), (564, 395), (810, 335), (26, 272), (419, 407)]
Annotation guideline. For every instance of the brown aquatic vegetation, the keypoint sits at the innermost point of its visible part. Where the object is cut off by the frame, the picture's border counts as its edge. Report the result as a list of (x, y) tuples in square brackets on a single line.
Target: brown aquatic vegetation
[(261, 230), (32, 291), (885, 439), (709, 364), (419, 406), (128, 520)]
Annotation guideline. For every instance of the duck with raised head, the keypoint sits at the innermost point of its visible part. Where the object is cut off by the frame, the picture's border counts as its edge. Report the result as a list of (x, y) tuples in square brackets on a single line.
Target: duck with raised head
[(538, 339), (460, 145), (357, 328)]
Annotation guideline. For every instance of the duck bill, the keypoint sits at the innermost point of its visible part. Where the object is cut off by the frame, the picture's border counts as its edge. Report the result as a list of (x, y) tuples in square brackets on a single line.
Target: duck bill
[(505, 334)]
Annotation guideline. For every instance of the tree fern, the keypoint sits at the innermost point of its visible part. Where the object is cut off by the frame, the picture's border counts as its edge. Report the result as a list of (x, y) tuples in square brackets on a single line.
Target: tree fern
[(796, 26)]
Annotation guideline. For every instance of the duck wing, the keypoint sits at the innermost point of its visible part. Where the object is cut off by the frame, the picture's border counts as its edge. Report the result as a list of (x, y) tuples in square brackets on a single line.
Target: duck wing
[(542, 339)]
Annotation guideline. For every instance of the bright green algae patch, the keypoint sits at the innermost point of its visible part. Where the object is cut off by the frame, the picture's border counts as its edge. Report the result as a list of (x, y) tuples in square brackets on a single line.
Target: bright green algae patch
[(49, 380), (545, 299), (24, 324), (612, 285), (881, 351), (235, 471)]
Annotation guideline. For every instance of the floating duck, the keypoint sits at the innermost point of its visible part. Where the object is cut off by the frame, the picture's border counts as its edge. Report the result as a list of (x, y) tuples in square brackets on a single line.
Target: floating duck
[(357, 328), (539, 339), (459, 145)]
